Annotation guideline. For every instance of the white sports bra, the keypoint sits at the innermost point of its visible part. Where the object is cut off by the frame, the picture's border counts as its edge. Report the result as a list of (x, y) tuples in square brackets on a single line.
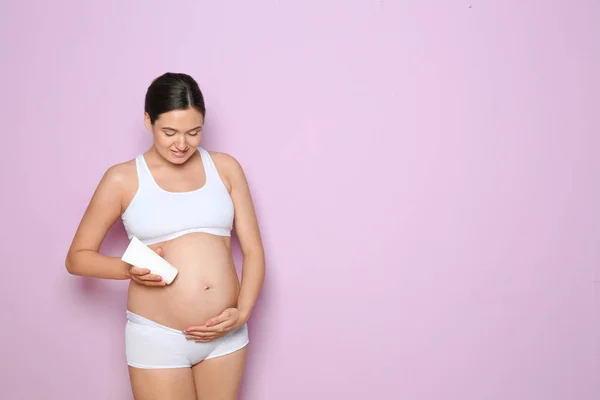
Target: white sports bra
[(156, 215)]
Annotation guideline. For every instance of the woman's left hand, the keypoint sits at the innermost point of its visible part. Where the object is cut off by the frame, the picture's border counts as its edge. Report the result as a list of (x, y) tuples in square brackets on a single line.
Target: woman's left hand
[(216, 327)]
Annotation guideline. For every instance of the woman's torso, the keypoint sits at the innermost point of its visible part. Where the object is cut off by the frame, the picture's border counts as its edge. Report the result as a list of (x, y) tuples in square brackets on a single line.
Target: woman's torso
[(189, 215)]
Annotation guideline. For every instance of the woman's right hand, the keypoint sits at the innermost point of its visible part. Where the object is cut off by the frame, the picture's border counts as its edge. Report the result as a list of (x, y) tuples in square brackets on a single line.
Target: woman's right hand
[(143, 275)]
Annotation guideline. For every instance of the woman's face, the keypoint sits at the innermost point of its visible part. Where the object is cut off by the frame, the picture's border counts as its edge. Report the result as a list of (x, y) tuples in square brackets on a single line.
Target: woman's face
[(177, 134)]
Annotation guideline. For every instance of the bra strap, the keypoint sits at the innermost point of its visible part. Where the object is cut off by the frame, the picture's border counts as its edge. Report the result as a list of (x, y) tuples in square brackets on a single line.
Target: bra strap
[(212, 174), (145, 178)]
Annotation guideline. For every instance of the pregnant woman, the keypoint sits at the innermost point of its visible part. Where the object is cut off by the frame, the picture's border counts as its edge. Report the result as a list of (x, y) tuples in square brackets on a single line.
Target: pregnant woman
[(186, 340)]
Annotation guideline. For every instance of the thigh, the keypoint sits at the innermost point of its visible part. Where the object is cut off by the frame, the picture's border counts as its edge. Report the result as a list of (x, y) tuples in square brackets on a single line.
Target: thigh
[(162, 384), (220, 378)]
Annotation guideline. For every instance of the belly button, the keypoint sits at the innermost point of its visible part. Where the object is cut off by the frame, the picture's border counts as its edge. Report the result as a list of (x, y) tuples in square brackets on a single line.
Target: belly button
[(207, 287)]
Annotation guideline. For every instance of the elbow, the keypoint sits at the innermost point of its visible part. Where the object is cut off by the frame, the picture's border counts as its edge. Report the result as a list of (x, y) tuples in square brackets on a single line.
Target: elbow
[(255, 259), (69, 265), (255, 253)]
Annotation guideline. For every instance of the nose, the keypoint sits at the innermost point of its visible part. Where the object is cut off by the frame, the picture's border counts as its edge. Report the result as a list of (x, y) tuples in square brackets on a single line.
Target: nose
[(180, 143)]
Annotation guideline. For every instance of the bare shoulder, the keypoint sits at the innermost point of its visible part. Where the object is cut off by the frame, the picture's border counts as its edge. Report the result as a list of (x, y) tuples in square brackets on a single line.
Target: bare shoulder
[(225, 161), (122, 175), (229, 169)]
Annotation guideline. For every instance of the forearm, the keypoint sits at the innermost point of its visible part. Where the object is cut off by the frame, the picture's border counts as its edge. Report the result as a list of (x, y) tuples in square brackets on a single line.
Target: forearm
[(253, 273), (95, 265)]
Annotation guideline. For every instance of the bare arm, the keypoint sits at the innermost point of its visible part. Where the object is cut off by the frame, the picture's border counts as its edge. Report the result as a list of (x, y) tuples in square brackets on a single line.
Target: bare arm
[(246, 225), (103, 210)]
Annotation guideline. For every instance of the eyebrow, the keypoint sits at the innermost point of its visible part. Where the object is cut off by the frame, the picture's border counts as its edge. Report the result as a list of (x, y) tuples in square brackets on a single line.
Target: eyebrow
[(175, 130)]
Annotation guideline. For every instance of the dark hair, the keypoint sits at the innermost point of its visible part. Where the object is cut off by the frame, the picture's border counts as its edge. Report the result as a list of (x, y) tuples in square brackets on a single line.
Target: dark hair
[(173, 91)]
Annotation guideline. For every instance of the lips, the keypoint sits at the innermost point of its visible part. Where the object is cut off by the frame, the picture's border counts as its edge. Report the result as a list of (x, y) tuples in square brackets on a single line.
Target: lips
[(179, 154)]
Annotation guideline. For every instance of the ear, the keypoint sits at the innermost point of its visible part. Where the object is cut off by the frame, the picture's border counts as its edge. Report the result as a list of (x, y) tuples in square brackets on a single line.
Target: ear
[(147, 121)]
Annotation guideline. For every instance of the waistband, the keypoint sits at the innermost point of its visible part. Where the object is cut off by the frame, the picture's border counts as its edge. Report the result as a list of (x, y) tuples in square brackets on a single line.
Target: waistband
[(139, 320)]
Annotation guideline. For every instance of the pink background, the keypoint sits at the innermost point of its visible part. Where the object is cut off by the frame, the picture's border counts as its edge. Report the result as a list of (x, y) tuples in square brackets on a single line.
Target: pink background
[(426, 176)]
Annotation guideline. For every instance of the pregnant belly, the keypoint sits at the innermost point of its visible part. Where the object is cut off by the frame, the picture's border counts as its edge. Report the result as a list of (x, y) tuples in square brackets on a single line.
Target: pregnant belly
[(207, 283)]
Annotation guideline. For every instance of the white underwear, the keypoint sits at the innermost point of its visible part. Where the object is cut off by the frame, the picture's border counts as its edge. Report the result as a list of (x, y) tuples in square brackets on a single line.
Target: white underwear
[(150, 345)]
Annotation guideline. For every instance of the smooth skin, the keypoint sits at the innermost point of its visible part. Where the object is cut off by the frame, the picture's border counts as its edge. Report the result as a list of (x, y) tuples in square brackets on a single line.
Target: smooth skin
[(175, 163)]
